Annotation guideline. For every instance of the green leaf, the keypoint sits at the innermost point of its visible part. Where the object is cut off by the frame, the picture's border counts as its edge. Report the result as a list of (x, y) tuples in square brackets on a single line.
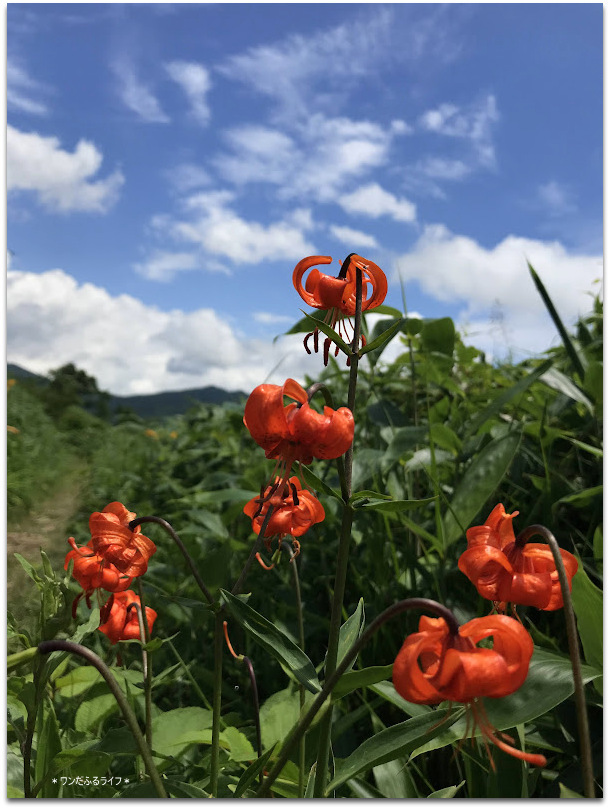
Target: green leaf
[(478, 483), (392, 743), (349, 633), (312, 480), (396, 505), (93, 711), (565, 792), (353, 680), (595, 451), (49, 745), (304, 324), (581, 499), (88, 762), (173, 731), (329, 332), (496, 405), (252, 772), (438, 335), (444, 437), (447, 792), (563, 384), (381, 340), (367, 494), (181, 790), (588, 602), (565, 337), (274, 641), (278, 716)]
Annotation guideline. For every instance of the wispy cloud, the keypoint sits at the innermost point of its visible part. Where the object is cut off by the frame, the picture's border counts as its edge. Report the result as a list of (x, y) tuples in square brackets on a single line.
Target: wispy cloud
[(210, 222), (555, 199), (23, 93), (163, 265), (322, 65), (135, 94), (473, 124), (194, 79), (63, 181), (316, 161)]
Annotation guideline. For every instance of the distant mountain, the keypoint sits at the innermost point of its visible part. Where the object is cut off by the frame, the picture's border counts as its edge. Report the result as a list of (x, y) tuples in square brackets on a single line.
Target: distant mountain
[(170, 403), (153, 405)]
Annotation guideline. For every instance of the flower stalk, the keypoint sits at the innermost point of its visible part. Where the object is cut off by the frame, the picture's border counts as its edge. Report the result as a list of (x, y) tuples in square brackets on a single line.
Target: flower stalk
[(342, 554), (572, 633), (48, 646)]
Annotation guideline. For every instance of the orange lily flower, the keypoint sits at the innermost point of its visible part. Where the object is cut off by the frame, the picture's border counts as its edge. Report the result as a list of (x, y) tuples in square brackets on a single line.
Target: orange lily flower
[(295, 431), (120, 618), (338, 295), (129, 550), (436, 664), (295, 511), (504, 570), (93, 572)]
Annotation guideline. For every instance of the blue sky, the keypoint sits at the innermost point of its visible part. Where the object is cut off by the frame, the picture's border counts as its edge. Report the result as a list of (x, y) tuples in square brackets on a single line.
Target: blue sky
[(168, 165)]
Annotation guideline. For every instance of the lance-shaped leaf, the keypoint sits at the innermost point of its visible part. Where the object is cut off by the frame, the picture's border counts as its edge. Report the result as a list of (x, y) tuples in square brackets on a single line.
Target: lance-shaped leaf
[(392, 743), (350, 632), (329, 332), (294, 661), (478, 483)]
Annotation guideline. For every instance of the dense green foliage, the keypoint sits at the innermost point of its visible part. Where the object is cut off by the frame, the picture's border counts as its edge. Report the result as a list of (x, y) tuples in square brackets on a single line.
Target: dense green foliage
[(439, 426)]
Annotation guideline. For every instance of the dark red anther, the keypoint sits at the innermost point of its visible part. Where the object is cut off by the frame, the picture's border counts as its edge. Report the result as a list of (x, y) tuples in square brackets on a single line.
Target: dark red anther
[(295, 498)]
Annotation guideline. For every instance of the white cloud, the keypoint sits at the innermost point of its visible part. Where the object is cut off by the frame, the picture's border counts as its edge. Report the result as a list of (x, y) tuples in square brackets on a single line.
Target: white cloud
[(374, 201), (186, 176), (218, 230), (163, 266), (473, 124), (132, 348), (351, 237), (64, 181), (495, 283), (315, 161), (439, 168), (320, 66), (136, 95), (194, 79), (555, 199), (271, 319), (22, 92)]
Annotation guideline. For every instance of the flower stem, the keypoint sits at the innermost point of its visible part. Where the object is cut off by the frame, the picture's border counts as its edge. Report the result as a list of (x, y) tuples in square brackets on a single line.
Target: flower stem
[(304, 722), (75, 648), (586, 758), (146, 663), (342, 556), (299, 605), (216, 704), (165, 525)]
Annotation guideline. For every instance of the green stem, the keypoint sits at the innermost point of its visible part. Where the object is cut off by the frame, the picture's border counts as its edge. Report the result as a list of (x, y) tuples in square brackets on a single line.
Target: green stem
[(48, 646), (301, 625), (304, 722), (342, 556), (190, 677), (146, 663), (29, 733), (216, 704), (586, 759), (165, 525)]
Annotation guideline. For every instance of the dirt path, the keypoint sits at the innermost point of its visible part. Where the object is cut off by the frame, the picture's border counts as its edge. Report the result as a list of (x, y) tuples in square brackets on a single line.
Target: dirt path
[(47, 528)]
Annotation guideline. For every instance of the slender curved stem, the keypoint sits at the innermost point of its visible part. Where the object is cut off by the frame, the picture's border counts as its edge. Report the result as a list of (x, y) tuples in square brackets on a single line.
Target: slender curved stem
[(216, 704), (165, 525), (572, 632), (48, 646), (342, 555), (331, 682)]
